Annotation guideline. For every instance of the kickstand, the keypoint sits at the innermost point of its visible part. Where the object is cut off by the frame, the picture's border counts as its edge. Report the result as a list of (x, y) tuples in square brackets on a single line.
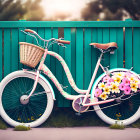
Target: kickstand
[(79, 114)]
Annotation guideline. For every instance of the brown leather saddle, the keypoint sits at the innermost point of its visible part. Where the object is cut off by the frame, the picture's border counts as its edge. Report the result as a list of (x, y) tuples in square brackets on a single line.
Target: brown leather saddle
[(107, 47)]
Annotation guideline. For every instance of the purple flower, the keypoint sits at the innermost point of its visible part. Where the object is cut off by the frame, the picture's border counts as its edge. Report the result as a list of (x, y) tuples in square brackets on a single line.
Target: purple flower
[(122, 86), (127, 90), (98, 92), (126, 81)]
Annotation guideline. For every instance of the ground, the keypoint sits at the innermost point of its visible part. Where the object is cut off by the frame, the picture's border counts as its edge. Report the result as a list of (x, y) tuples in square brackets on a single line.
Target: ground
[(75, 133)]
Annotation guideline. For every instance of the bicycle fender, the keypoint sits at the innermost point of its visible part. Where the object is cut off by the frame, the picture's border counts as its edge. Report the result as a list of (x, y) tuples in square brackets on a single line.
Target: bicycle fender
[(44, 79)]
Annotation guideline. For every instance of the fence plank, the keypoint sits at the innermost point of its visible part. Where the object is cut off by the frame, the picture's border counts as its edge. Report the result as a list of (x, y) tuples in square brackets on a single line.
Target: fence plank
[(79, 57), (33, 39), (93, 50), (67, 54), (73, 55), (7, 52), (113, 57), (28, 38), (120, 50), (100, 40), (128, 48), (22, 38), (54, 63), (55, 49), (106, 57), (48, 35), (1, 66), (136, 49), (21, 24), (87, 57), (14, 50), (41, 32)]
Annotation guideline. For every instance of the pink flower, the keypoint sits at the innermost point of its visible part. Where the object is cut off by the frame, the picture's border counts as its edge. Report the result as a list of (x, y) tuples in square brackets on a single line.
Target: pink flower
[(106, 78), (127, 90), (110, 80), (108, 84), (126, 81), (122, 86), (139, 85), (127, 74), (98, 92)]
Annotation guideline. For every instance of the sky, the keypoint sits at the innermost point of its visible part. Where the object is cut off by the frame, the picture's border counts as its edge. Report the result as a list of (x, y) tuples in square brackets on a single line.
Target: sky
[(68, 8)]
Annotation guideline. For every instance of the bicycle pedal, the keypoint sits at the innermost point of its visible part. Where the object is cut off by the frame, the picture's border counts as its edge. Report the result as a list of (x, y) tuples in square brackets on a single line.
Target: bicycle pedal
[(78, 114)]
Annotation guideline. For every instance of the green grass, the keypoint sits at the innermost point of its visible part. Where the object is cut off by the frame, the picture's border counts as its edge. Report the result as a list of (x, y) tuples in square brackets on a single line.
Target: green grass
[(21, 128), (117, 126), (3, 125)]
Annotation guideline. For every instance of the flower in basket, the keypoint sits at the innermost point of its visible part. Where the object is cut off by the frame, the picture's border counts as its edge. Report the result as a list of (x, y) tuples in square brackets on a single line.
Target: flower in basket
[(117, 84)]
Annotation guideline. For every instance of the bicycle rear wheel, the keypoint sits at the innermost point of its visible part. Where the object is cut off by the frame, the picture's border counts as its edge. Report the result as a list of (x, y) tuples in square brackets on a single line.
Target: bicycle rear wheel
[(127, 112), (31, 113)]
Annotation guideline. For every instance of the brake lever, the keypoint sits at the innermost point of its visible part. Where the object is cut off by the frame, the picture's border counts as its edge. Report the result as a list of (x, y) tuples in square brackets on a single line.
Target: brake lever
[(62, 45), (61, 38)]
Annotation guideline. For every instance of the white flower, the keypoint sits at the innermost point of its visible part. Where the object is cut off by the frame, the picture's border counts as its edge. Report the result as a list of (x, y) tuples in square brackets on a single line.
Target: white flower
[(101, 85), (107, 90), (115, 88)]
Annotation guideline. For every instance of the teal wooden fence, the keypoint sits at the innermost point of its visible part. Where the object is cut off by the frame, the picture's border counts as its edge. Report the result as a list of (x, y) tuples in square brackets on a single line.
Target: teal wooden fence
[(80, 57)]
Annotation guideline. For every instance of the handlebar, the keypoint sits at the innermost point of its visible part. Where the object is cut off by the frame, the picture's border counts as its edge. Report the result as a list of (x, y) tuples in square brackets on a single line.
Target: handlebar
[(63, 41), (58, 40), (30, 31)]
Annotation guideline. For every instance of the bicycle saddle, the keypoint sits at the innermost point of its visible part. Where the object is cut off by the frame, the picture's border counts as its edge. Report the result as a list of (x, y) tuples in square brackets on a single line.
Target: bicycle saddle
[(105, 46)]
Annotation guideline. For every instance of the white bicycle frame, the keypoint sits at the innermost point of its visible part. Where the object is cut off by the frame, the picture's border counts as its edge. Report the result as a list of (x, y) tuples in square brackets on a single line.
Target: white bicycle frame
[(45, 69)]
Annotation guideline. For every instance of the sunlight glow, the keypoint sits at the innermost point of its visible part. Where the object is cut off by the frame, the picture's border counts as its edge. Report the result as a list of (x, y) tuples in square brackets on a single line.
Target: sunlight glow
[(67, 9)]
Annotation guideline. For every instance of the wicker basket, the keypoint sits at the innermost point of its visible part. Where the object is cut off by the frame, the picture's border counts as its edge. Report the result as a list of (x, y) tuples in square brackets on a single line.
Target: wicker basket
[(30, 54)]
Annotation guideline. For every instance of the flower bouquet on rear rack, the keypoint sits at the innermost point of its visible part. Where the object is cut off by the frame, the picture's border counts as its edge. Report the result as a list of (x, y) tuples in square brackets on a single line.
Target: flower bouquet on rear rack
[(117, 84)]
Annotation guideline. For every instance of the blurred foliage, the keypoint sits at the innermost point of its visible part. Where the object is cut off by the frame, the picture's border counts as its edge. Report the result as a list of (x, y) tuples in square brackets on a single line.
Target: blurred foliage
[(111, 10), (17, 9)]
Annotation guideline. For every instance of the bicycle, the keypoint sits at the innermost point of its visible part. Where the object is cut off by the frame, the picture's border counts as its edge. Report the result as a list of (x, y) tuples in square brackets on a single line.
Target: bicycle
[(27, 97)]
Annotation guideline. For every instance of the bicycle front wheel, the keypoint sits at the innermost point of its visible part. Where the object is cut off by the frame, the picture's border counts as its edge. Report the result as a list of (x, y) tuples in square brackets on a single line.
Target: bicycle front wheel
[(126, 112), (34, 111)]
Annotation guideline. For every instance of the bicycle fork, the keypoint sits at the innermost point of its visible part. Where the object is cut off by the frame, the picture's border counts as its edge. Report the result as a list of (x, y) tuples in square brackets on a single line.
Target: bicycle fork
[(34, 86)]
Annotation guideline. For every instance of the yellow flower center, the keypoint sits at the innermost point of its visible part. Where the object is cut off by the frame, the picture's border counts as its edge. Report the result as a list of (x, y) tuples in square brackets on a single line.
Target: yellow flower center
[(114, 87), (102, 86), (118, 79)]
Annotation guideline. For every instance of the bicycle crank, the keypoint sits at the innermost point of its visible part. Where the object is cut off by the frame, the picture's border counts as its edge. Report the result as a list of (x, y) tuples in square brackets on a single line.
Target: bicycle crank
[(77, 105)]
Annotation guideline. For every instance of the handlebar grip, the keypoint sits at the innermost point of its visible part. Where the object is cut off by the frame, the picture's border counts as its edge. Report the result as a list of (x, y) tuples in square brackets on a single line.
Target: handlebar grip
[(30, 31), (63, 41)]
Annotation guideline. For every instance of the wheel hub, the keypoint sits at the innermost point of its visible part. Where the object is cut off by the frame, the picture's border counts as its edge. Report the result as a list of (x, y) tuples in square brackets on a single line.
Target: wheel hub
[(24, 100)]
